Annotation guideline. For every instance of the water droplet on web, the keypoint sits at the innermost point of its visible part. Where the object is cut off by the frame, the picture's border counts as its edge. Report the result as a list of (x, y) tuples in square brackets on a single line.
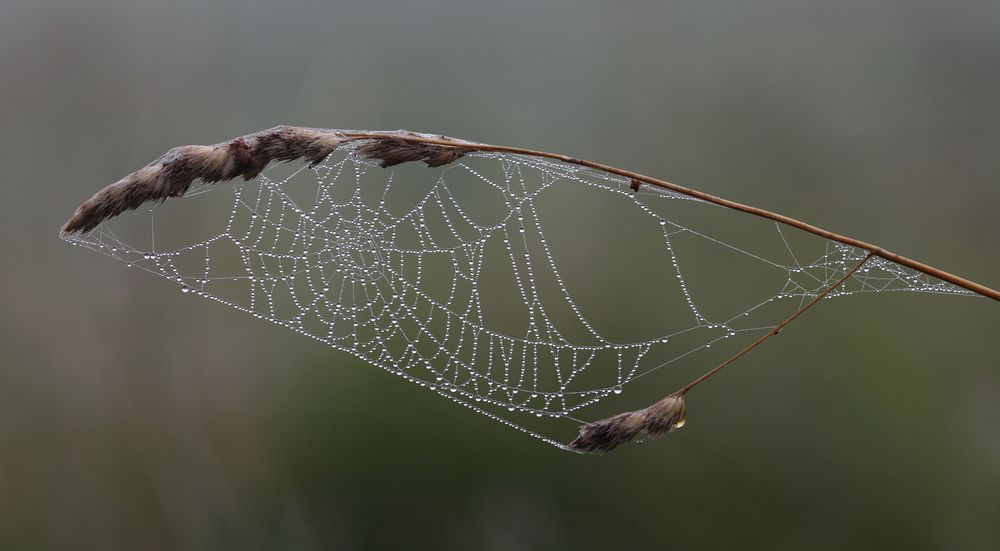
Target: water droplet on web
[(617, 389)]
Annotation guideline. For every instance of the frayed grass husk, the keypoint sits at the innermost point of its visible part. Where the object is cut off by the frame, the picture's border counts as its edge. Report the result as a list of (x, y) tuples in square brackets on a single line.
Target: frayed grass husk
[(605, 435)]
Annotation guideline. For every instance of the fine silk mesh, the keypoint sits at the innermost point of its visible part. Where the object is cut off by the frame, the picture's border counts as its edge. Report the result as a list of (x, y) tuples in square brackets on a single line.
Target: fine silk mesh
[(524, 289)]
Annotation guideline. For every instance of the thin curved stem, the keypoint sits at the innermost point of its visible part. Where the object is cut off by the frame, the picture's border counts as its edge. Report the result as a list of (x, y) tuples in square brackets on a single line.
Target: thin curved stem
[(788, 221), (774, 331)]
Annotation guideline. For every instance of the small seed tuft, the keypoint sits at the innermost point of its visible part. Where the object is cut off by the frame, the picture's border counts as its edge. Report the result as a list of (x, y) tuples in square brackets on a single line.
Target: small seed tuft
[(394, 151), (605, 435)]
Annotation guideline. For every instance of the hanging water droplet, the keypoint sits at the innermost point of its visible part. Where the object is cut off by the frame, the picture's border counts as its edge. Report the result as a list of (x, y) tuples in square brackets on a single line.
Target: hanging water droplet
[(617, 389)]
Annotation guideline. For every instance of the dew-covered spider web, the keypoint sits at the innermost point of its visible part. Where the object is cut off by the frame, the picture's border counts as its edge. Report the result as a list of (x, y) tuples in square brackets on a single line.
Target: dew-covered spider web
[(531, 291)]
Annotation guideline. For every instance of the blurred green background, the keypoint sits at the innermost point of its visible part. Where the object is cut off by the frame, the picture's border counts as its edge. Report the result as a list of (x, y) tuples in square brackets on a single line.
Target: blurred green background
[(130, 419)]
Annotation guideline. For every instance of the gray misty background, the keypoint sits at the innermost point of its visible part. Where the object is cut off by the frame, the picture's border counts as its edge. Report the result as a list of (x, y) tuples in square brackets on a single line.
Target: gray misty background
[(131, 418)]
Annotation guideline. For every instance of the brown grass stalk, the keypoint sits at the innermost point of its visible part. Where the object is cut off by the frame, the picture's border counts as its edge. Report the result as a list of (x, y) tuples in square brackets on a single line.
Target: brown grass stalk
[(172, 175), (669, 413)]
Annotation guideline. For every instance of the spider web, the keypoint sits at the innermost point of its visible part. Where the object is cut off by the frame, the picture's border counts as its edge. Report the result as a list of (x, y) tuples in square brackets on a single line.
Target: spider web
[(524, 289)]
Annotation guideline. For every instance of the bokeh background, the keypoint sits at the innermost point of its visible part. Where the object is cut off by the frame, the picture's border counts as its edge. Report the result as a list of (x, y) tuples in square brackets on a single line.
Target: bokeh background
[(131, 419)]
